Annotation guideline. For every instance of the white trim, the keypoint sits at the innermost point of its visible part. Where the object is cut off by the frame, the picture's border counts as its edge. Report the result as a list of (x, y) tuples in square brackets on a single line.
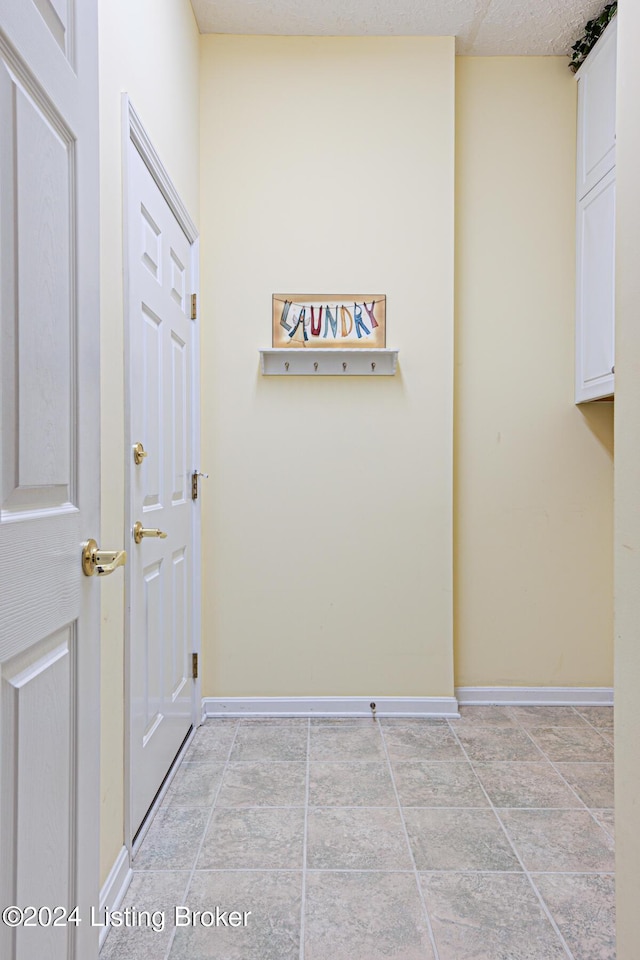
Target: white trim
[(445, 707), (115, 887), (137, 133), (536, 696), (134, 132), (196, 538)]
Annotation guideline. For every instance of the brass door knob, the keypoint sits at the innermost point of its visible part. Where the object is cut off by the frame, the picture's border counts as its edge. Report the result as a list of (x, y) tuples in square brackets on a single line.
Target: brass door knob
[(139, 453), (139, 532), (101, 563)]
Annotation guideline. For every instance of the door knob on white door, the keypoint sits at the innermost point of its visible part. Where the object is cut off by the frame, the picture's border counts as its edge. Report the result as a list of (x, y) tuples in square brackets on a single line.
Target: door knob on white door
[(101, 562), (139, 532)]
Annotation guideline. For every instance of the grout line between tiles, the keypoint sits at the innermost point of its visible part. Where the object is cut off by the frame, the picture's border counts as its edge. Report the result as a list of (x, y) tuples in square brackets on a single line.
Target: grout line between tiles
[(567, 726), (606, 734), (584, 763), (408, 842), (381, 761), (368, 806), (304, 844), (518, 857), (453, 725), (247, 762), (429, 806), (573, 873), (376, 870), (542, 760), (261, 806), (248, 870), (204, 834), (603, 731), (565, 781), (516, 873)]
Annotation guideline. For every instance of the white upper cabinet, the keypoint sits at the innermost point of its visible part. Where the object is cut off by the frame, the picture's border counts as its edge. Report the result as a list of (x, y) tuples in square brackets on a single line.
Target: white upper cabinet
[(597, 112), (595, 226), (595, 303)]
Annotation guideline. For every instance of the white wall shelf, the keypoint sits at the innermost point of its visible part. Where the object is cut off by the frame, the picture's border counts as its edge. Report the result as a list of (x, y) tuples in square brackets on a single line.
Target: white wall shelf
[(330, 362)]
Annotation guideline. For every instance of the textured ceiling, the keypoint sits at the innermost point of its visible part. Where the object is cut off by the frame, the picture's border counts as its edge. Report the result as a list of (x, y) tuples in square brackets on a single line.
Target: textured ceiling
[(482, 27)]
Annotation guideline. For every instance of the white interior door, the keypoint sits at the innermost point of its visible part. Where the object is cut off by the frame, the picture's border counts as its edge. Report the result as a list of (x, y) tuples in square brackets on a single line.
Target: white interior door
[(163, 342), (49, 472)]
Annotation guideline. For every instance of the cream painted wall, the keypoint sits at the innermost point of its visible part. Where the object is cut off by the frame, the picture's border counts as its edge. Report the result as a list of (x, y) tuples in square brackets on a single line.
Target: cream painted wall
[(627, 487), (327, 165), (151, 51), (533, 472)]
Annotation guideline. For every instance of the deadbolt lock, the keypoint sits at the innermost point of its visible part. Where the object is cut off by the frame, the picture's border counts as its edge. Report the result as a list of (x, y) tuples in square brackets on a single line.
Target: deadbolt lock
[(139, 532), (139, 453), (101, 563)]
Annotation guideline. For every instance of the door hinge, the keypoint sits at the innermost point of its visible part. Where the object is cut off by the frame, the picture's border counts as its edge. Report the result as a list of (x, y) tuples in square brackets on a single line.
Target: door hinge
[(194, 666), (194, 306), (194, 482)]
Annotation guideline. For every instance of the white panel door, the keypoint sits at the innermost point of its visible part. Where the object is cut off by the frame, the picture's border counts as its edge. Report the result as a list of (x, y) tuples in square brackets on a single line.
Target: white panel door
[(161, 573), (49, 472)]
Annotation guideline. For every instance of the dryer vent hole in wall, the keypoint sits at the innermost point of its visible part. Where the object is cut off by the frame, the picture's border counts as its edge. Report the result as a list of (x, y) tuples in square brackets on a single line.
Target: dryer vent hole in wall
[(373, 711)]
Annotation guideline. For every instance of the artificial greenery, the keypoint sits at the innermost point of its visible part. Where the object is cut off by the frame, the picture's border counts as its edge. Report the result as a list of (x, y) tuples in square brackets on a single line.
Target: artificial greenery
[(592, 31)]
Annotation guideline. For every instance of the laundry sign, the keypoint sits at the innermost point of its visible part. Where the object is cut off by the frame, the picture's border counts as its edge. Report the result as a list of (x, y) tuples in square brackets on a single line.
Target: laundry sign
[(327, 320)]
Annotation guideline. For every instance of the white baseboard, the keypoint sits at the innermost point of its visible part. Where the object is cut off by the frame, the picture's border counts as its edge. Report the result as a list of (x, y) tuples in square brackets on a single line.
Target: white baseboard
[(115, 887), (536, 696), (329, 706)]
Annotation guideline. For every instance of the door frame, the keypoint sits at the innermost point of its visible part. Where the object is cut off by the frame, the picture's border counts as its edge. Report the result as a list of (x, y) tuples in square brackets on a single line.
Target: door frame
[(134, 136)]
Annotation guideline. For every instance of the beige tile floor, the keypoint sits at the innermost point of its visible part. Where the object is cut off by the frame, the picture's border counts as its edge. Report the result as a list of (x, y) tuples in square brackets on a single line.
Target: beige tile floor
[(484, 838)]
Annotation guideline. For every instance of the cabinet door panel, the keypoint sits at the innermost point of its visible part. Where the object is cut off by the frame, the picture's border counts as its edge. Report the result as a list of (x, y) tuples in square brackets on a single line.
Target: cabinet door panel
[(596, 291), (597, 113)]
